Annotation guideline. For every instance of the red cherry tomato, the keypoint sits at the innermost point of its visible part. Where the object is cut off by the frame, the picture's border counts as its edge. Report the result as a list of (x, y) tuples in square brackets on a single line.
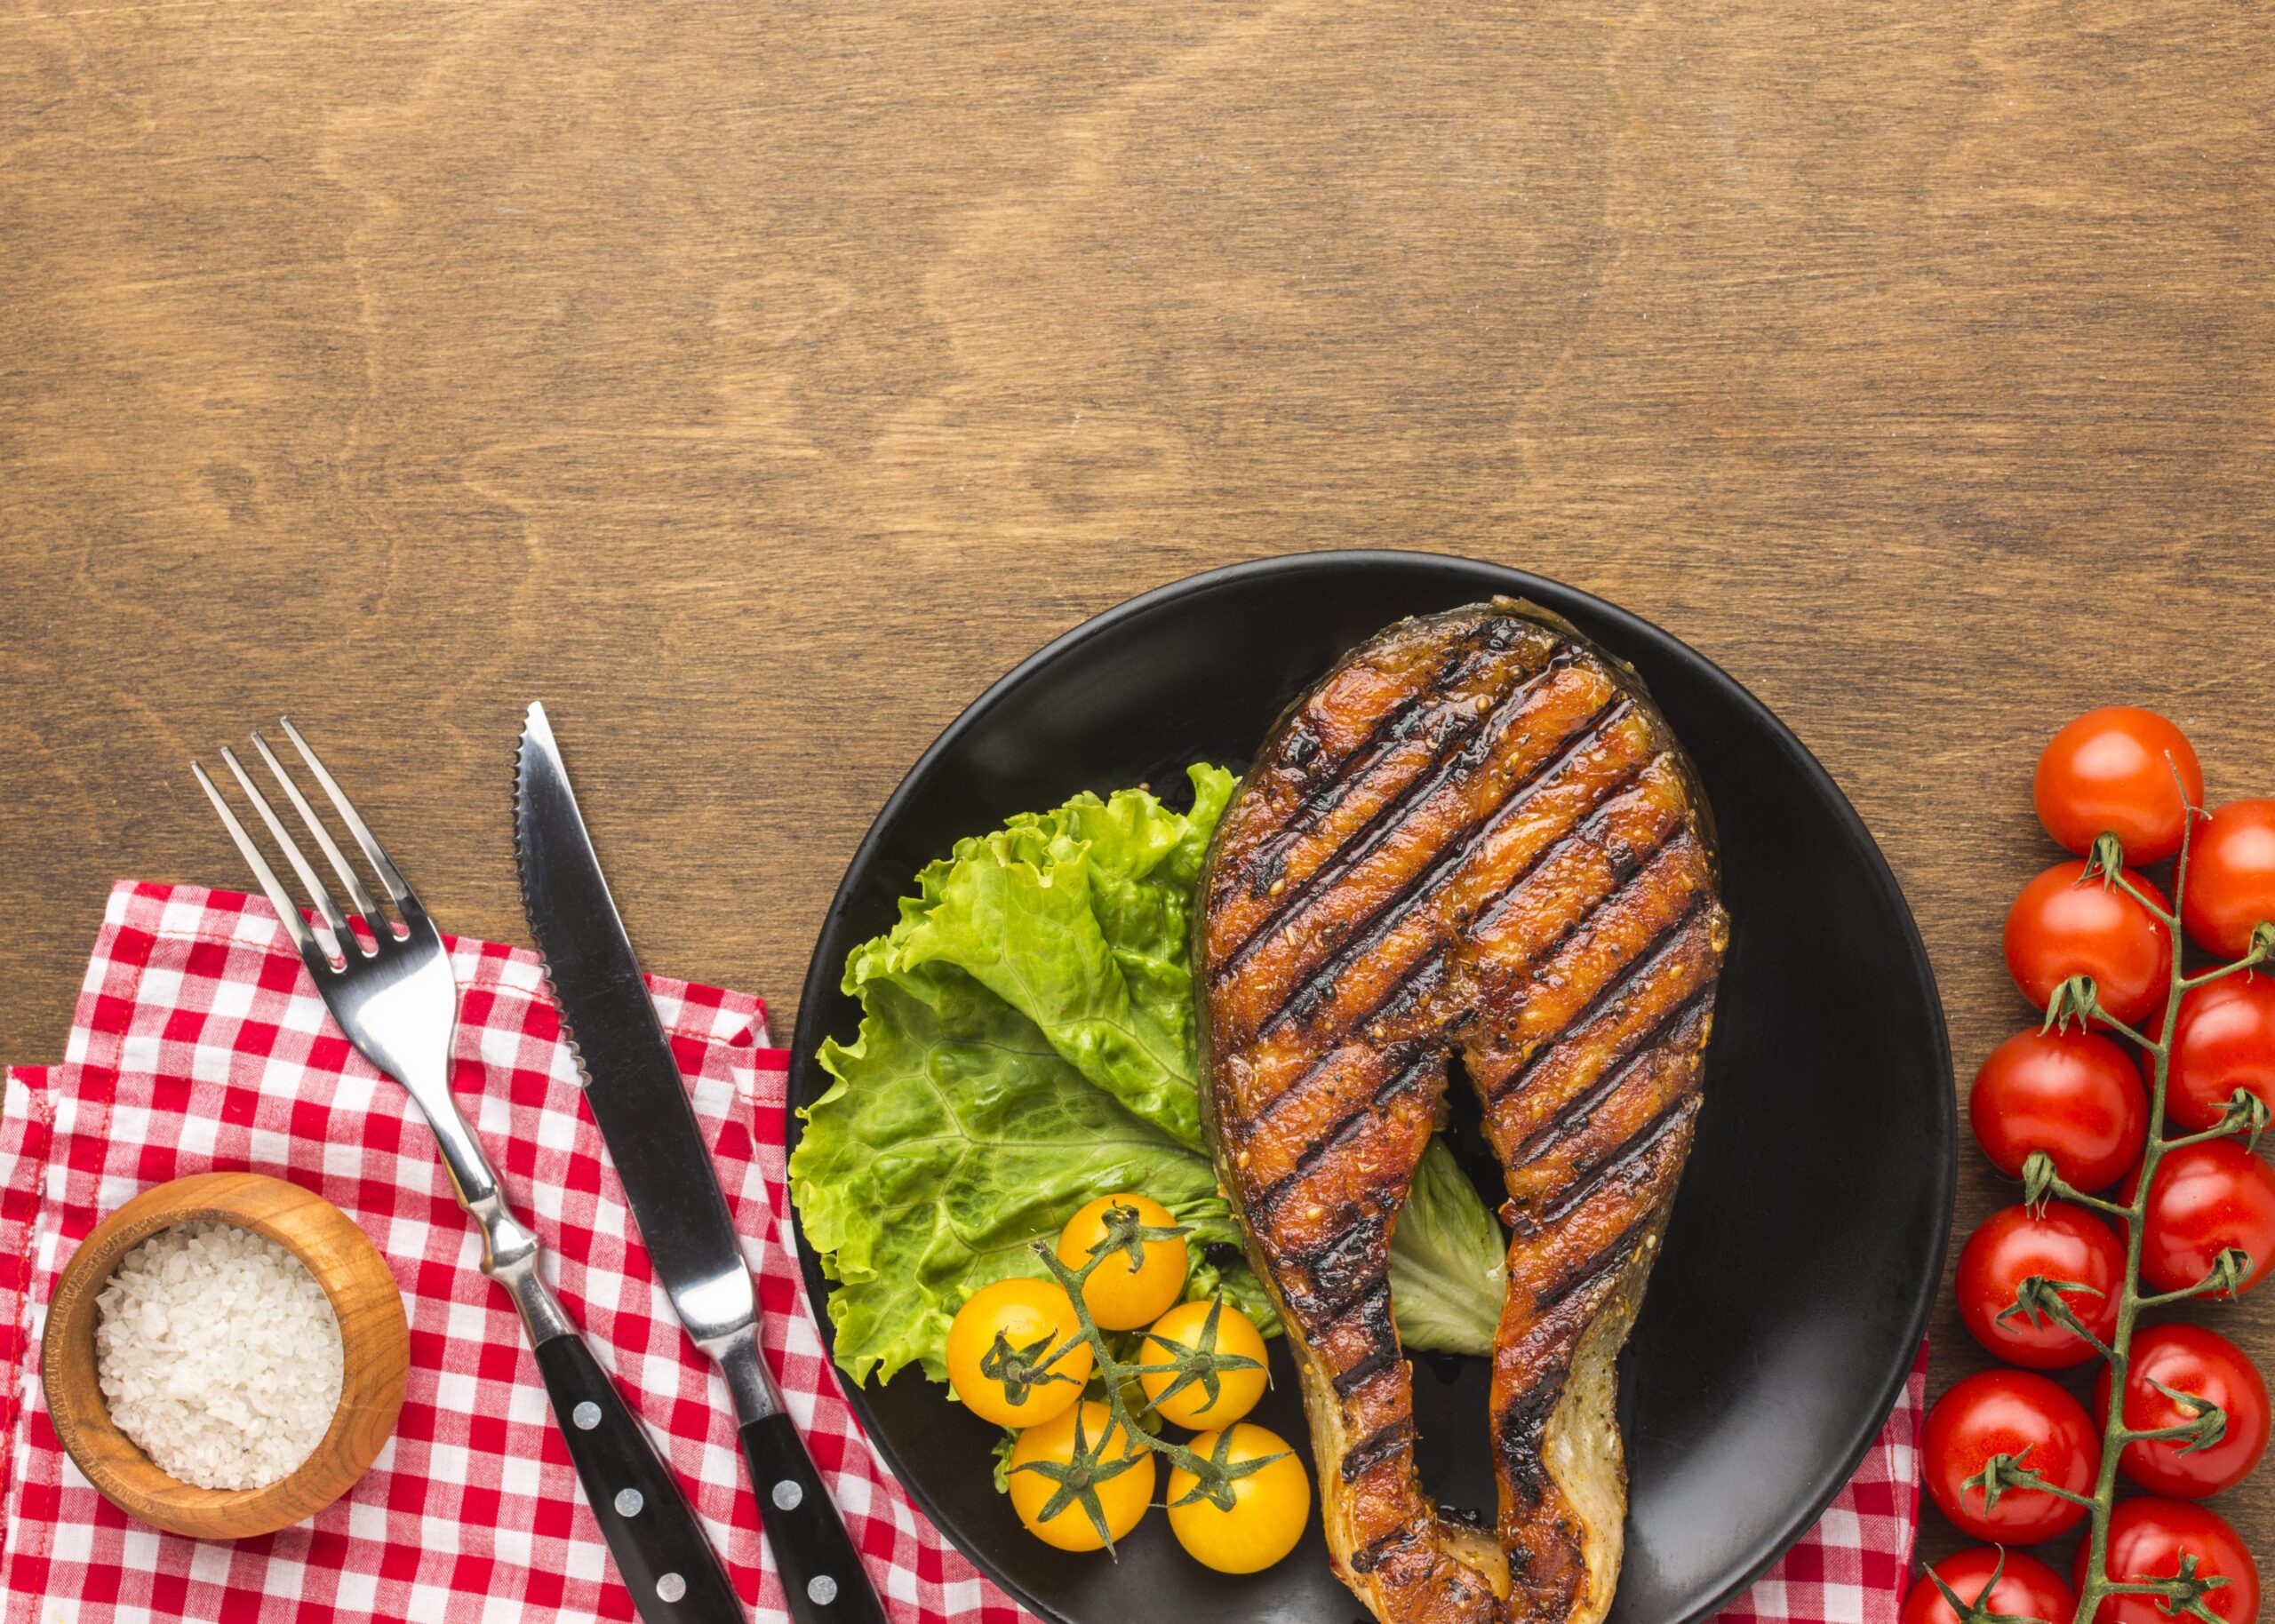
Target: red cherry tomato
[(2232, 877), (2009, 1412), (2206, 1199), (2223, 1041), (2123, 770), (2146, 1540), (2058, 929), (2073, 1094), (2189, 1359), (2027, 1589), (2063, 1243)]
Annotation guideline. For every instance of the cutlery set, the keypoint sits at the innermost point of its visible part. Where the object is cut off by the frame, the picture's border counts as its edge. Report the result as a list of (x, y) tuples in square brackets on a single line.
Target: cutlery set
[(389, 986)]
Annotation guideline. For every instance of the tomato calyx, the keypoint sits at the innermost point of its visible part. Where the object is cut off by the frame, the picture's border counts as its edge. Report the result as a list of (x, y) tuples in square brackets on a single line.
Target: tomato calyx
[(1021, 1368), (2207, 1422), (1126, 1231), (2075, 998), (1215, 1486), (1198, 1362), (1079, 1476), (2002, 1474), (2105, 862), (1979, 1611), (2184, 1592), (2225, 1278), (2078, 997), (2038, 1300), (2246, 1115), (2041, 1181)]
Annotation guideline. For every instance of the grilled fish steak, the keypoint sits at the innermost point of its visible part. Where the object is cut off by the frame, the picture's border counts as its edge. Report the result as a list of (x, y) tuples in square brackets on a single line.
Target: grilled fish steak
[(1475, 837)]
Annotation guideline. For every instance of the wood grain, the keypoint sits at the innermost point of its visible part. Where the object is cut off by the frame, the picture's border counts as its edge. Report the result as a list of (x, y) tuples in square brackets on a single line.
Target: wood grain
[(755, 383), (374, 1348)]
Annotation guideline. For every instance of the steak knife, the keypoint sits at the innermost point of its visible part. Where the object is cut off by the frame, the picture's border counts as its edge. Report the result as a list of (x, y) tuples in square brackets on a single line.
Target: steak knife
[(633, 1089)]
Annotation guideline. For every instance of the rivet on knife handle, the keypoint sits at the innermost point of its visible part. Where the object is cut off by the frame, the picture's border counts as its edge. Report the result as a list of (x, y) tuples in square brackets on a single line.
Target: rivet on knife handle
[(822, 1579), (660, 1548)]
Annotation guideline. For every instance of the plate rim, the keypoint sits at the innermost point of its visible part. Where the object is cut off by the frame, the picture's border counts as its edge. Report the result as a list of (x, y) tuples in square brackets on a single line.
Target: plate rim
[(821, 978)]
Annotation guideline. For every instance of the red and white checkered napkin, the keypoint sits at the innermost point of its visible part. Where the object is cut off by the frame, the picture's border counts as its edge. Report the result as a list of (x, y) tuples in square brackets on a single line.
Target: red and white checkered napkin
[(199, 1044)]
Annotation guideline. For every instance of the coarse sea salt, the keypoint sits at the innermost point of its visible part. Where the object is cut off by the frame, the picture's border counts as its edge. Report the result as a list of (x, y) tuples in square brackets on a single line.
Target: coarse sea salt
[(218, 1353)]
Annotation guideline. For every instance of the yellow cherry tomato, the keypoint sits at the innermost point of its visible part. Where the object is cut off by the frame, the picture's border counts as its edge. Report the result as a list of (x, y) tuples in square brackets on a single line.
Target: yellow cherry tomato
[(1270, 1505), (1183, 1331), (1004, 1353), (1122, 1495), (1125, 1292)]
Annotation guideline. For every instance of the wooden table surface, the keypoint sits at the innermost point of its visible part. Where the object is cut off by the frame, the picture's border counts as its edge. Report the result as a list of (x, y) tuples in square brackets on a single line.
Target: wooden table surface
[(754, 383)]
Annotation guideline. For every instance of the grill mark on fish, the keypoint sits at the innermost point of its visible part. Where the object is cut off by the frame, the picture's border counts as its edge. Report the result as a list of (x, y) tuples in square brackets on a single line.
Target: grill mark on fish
[(1523, 1428), (1609, 1258), (1409, 991), (1462, 662), (1402, 1054), (1364, 1457), (1345, 1382), (1675, 1028), (1658, 950), (1373, 1313), (1336, 1268), (1626, 866), (1631, 1151), (1414, 983), (1370, 1556), (1367, 932), (1462, 728), (1397, 1085)]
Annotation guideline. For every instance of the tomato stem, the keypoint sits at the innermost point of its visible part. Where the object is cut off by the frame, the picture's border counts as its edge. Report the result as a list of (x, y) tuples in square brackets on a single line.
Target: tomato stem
[(2250, 960), (2063, 1189), (2097, 1586), (2123, 1030), (2220, 1282), (2170, 920), (2227, 1127)]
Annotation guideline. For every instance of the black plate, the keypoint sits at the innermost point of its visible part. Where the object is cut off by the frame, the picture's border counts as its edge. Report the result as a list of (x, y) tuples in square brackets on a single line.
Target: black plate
[(1807, 1243)]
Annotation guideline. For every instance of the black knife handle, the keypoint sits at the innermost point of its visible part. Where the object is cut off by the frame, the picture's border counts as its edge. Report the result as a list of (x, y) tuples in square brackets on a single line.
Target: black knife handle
[(823, 1581), (659, 1547)]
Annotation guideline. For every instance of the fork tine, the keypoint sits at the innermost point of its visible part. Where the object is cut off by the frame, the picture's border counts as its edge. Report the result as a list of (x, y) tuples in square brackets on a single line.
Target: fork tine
[(388, 875), (279, 898), (317, 895), (365, 904)]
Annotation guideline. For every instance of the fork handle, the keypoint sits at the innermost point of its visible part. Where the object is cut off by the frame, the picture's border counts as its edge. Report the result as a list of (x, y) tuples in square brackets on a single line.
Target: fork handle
[(660, 1550)]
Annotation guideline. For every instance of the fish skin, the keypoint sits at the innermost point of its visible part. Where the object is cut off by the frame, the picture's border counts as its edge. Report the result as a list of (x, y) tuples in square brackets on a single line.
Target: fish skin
[(1475, 837)]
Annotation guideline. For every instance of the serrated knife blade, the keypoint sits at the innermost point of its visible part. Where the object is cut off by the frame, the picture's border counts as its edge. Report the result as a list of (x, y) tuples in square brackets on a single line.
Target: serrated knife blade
[(638, 1100)]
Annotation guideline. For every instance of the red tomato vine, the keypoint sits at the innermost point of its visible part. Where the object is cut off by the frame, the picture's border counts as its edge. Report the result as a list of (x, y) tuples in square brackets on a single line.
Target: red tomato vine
[(2196, 1211)]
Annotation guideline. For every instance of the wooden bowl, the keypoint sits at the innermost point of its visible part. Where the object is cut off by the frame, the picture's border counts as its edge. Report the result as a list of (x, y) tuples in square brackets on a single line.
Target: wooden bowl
[(375, 1350)]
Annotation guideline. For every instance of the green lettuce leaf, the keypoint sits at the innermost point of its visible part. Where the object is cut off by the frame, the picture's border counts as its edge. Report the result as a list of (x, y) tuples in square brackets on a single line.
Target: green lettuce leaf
[(1026, 1043), (1077, 920), (1448, 1262)]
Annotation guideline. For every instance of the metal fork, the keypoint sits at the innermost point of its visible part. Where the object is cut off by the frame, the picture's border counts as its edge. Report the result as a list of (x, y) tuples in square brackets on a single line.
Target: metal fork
[(391, 990)]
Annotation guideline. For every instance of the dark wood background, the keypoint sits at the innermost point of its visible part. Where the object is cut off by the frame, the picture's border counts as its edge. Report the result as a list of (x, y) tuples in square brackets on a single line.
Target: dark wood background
[(754, 383)]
